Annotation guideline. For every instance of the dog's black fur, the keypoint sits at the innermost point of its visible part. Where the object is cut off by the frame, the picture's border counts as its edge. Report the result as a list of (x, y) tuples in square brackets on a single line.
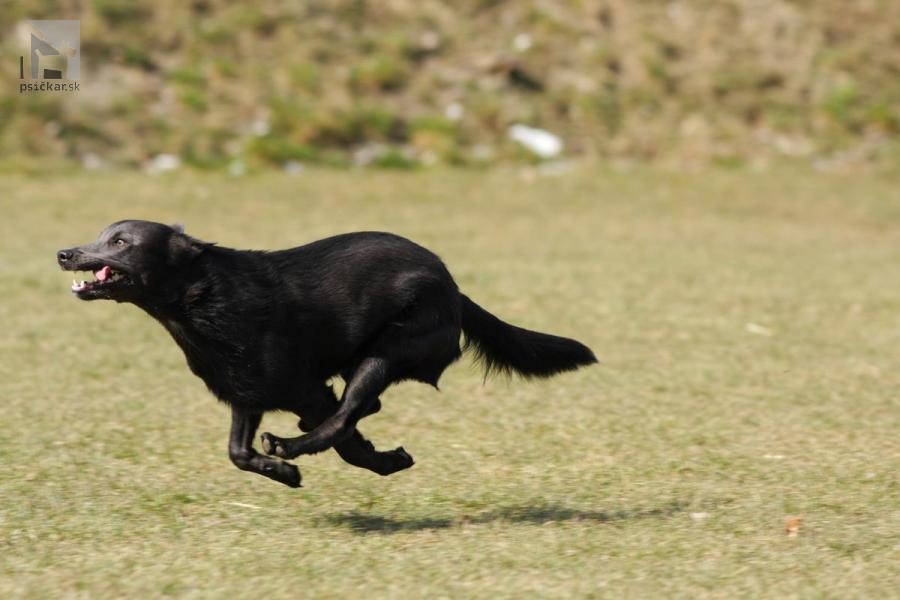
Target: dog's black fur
[(267, 330)]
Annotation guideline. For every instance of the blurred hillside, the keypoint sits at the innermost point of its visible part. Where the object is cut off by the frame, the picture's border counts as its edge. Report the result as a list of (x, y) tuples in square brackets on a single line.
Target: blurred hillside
[(400, 82)]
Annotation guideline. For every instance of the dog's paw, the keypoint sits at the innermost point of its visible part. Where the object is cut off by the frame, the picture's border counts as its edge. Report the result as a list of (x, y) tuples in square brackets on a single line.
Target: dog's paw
[(402, 459), (291, 476), (273, 446)]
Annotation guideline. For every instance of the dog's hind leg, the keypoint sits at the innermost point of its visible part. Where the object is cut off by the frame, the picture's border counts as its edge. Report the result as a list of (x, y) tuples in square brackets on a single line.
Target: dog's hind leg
[(368, 381), (325, 405), (418, 345), (240, 450), (356, 449), (359, 452)]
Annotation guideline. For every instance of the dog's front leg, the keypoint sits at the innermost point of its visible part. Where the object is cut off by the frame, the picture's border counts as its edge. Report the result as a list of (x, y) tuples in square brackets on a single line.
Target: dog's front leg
[(240, 450)]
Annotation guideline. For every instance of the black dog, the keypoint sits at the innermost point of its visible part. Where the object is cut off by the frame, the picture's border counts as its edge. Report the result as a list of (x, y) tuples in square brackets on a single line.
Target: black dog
[(267, 330)]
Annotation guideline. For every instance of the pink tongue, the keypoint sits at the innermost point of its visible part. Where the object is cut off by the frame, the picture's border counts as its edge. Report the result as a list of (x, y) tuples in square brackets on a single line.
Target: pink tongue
[(102, 274)]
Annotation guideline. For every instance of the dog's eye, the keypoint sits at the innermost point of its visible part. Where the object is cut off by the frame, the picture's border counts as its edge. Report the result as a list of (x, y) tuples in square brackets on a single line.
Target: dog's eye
[(120, 243)]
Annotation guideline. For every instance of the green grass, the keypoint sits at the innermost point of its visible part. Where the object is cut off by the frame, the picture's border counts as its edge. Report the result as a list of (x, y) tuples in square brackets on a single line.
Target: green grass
[(748, 324)]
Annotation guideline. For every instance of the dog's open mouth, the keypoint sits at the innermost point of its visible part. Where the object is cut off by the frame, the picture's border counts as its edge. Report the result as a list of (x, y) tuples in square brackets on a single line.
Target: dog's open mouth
[(105, 277)]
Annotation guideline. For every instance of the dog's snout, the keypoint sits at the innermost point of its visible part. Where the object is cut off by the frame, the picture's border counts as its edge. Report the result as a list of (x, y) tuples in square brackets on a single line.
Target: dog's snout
[(64, 256)]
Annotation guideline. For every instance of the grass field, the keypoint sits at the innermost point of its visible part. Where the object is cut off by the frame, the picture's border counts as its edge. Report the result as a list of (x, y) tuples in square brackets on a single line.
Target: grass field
[(749, 330)]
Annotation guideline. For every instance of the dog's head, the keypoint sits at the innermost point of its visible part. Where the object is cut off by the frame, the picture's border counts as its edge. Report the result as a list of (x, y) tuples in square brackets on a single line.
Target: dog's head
[(131, 261)]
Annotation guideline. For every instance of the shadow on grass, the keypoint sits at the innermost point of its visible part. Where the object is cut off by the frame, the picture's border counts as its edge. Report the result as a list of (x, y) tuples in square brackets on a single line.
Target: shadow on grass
[(369, 523)]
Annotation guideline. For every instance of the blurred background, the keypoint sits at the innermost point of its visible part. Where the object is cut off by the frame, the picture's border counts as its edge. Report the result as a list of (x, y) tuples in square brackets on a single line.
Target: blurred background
[(402, 84), (705, 193)]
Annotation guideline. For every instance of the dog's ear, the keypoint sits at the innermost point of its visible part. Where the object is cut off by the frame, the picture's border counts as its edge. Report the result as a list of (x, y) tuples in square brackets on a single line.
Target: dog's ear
[(184, 247)]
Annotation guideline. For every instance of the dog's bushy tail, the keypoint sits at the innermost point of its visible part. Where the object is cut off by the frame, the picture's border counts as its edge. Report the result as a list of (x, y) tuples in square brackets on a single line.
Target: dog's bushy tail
[(504, 348)]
